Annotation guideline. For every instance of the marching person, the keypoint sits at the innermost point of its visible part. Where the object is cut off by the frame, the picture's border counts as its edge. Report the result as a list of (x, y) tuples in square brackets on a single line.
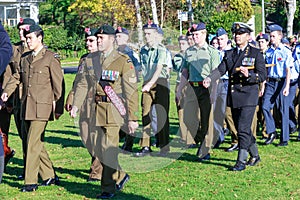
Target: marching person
[(92, 47), (155, 90), (277, 86), (186, 136), (199, 61), (122, 37), (42, 78), (111, 77), (11, 72), (246, 68)]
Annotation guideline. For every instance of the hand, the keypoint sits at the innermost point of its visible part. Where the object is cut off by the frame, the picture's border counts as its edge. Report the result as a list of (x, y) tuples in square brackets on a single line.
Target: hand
[(244, 71), (286, 91), (68, 107), (147, 87), (73, 111), (132, 126), (206, 82), (4, 97)]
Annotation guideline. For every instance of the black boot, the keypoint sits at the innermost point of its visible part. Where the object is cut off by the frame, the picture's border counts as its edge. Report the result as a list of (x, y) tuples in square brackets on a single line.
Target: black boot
[(254, 156)]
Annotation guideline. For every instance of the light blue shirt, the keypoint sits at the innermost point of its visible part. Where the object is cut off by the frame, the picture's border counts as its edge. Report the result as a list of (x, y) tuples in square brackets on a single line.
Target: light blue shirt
[(282, 58), (296, 56)]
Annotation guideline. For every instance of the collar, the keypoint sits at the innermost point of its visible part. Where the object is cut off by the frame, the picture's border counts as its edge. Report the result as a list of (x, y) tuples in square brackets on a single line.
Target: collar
[(35, 53), (204, 46)]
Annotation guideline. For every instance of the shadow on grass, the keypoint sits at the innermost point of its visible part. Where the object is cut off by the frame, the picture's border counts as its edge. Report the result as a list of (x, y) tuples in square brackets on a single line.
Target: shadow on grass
[(65, 142), (91, 190)]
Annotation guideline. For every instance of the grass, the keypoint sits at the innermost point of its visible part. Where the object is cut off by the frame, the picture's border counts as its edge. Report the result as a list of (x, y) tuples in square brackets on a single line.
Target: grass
[(177, 177)]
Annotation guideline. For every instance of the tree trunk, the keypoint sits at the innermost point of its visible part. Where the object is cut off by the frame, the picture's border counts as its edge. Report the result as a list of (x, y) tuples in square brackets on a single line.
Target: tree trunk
[(290, 12), (161, 13), (139, 23), (154, 12)]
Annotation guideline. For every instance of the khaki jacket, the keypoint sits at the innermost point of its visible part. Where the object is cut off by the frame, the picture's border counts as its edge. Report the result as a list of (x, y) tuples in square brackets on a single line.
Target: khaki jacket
[(124, 84), (42, 81)]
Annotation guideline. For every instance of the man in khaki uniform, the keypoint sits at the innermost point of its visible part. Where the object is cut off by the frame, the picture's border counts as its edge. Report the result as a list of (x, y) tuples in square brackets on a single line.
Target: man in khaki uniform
[(111, 77), (91, 45), (13, 103), (41, 76)]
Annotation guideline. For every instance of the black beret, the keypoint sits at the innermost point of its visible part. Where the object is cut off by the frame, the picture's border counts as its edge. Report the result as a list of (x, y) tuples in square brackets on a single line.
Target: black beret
[(262, 36), (105, 29), (26, 21), (32, 28), (90, 32), (182, 37)]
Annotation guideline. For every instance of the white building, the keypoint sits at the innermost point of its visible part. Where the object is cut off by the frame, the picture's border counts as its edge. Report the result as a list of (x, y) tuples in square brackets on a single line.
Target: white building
[(12, 10)]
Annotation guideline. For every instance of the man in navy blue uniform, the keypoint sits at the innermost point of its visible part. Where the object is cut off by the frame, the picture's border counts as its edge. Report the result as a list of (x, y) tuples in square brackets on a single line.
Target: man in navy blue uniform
[(5, 49), (246, 69)]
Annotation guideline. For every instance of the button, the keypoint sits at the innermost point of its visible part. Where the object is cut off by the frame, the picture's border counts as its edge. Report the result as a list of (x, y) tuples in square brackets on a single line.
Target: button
[(28, 95), (232, 90), (30, 76), (232, 86), (40, 72), (29, 85)]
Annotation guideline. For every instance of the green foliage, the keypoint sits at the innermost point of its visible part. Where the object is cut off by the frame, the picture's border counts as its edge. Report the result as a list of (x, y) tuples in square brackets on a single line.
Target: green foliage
[(222, 13), (13, 33)]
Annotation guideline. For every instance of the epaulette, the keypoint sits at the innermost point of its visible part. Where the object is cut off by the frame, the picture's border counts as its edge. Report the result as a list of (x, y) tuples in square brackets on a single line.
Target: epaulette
[(55, 55)]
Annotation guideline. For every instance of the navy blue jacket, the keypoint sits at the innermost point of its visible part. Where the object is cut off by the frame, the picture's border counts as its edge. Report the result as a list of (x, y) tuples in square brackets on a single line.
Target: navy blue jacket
[(5, 49), (242, 91)]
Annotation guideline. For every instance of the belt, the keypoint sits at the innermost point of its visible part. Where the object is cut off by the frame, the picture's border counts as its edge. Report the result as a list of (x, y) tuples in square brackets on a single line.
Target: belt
[(276, 79), (101, 98), (196, 84)]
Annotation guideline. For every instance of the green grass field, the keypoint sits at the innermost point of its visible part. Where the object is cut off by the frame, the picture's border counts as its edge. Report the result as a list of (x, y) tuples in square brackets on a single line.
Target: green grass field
[(177, 177)]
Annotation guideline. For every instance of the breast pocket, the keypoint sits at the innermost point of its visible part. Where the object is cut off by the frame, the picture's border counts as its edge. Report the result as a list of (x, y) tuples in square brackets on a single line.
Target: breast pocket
[(42, 76)]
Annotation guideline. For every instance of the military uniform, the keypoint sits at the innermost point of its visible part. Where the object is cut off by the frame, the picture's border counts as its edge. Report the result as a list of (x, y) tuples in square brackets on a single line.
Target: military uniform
[(105, 117), (243, 92), (159, 94), (85, 120)]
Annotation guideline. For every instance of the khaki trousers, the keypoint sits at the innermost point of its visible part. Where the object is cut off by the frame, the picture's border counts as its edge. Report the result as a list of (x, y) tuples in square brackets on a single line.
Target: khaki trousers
[(37, 158)]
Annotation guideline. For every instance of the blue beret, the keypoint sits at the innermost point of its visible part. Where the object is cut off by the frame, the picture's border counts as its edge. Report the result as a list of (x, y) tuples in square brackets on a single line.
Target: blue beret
[(182, 37), (122, 30), (274, 27), (262, 36), (240, 27), (160, 31), (105, 29), (26, 21), (198, 27), (285, 41), (150, 25), (90, 32), (220, 32)]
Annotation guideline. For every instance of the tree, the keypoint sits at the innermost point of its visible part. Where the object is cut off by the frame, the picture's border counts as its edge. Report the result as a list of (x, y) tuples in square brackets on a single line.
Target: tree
[(139, 22), (290, 7), (117, 11)]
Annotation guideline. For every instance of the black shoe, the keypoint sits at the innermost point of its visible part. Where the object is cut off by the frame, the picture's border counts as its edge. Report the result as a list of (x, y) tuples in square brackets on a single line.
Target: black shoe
[(271, 138), (145, 151), (105, 195), (239, 166), (253, 161), (282, 144), (205, 158), (8, 157), (121, 185), (93, 179), (51, 181), (232, 148), (29, 188)]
